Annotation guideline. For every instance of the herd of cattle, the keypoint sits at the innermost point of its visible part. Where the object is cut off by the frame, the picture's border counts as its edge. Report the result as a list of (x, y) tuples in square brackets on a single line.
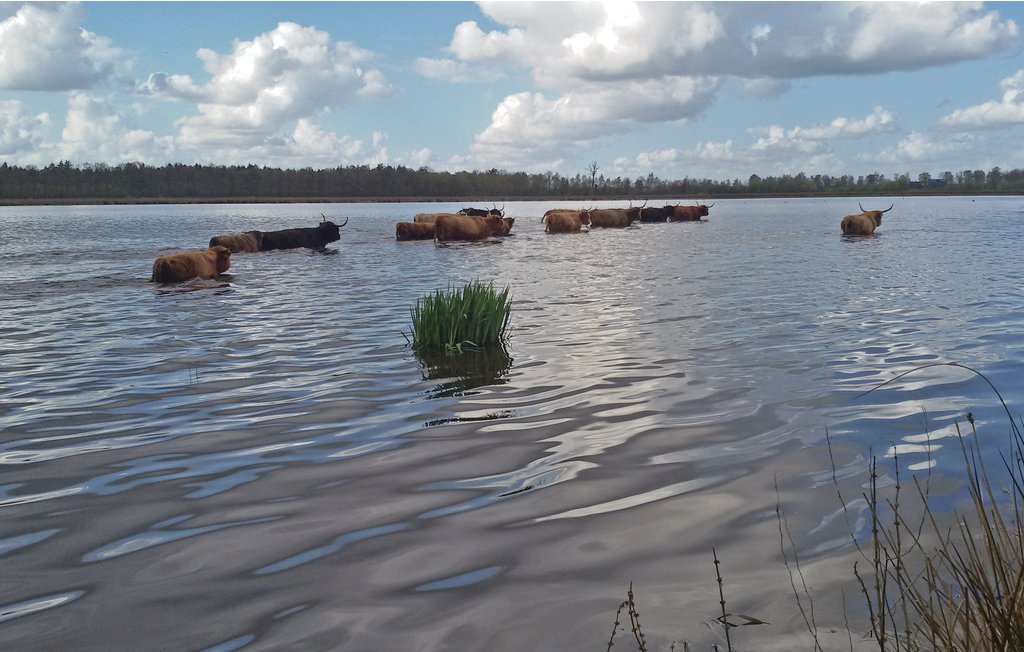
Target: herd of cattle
[(215, 260), (479, 223), (467, 224)]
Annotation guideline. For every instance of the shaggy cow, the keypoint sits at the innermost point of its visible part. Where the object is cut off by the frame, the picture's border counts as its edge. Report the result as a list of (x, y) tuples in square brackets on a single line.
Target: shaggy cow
[(236, 243), (559, 220), (506, 226), (174, 268), (414, 231), (466, 227), (864, 223), (315, 238), (655, 214), (679, 213), (429, 217), (483, 212), (614, 218)]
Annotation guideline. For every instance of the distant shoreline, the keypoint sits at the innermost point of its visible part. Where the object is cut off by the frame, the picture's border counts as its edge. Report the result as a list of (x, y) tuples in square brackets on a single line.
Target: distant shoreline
[(117, 201)]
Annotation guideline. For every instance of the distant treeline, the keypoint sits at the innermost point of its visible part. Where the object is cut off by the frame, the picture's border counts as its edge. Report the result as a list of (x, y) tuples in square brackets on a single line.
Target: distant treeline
[(138, 181)]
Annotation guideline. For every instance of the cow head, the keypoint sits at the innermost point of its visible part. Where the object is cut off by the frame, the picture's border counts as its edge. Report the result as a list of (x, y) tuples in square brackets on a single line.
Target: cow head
[(329, 231), (876, 216), (585, 218), (223, 258)]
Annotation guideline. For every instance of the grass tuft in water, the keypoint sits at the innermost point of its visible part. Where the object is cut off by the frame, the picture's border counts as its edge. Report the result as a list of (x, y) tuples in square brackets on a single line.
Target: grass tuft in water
[(475, 316)]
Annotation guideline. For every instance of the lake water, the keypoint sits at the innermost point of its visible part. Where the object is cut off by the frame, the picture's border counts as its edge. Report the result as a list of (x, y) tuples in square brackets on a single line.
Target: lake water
[(261, 462)]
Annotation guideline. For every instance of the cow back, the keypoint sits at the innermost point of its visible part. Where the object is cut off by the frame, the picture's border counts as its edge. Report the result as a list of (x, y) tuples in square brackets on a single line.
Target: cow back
[(461, 227), (311, 238)]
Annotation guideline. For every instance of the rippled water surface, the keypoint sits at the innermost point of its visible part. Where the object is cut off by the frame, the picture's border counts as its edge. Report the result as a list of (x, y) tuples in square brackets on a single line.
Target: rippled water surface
[(261, 462)]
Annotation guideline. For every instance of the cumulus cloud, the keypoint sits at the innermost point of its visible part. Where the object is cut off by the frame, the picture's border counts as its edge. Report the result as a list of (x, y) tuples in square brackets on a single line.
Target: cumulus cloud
[(581, 51), (44, 48), (20, 133), (95, 130), (773, 150), (528, 128), (931, 149), (996, 114), (880, 121), (263, 95), (450, 70), (590, 41), (565, 42)]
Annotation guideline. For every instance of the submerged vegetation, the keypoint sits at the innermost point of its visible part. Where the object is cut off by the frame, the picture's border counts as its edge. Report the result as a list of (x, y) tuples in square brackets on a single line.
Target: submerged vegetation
[(475, 316)]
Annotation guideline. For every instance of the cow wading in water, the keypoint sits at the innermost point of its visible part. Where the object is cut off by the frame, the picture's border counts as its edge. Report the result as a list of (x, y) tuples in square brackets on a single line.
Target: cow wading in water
[(238, 243), (615, 218), (679, 213), (314, 238), (484, 212), (414, 231), (466, 227), (561, 220), (175, 268), (863, 223)]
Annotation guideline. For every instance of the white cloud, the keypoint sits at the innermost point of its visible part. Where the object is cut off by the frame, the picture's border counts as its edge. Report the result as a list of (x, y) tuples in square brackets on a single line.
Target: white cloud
[(20, 133), (930, 149), (43, 48), (925, 34), (579, 52), (266, 86), (96, 131), (880, 121), (454, 71), (1005, 112), (563, 43), (528, 127)]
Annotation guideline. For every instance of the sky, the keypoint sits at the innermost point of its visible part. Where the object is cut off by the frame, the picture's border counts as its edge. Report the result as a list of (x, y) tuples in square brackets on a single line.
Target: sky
[(718, 90)]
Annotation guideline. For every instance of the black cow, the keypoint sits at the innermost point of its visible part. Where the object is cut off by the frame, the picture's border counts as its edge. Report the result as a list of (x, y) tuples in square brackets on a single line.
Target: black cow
[(655, 214), (315, 238), (483, 212)]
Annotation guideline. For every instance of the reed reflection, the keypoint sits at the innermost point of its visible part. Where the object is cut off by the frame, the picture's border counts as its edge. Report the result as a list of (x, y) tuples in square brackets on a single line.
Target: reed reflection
[(463, 372)]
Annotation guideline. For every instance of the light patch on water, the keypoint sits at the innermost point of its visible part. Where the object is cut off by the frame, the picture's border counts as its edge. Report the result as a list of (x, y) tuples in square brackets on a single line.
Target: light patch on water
[(29, 607), (459, 581)]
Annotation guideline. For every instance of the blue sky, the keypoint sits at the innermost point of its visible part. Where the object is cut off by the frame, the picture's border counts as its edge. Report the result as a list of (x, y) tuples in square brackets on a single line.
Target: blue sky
[(717, 90)]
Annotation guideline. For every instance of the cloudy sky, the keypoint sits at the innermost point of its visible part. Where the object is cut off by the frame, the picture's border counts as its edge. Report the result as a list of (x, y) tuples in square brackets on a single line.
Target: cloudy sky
[(718, 90)]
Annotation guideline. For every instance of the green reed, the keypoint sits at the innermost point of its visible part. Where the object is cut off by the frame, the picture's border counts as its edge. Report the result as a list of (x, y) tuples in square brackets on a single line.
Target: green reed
[(473, 316)]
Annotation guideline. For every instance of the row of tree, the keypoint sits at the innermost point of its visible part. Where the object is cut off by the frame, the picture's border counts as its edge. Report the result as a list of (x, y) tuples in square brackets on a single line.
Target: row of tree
[(132, 181)]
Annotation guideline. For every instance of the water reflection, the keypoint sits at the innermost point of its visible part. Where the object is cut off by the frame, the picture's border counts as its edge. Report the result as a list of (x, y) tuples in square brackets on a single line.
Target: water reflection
[(463, 372)]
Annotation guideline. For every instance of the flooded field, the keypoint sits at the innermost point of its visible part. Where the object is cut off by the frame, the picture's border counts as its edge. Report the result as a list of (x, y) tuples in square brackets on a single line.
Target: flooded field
[(261, 462)]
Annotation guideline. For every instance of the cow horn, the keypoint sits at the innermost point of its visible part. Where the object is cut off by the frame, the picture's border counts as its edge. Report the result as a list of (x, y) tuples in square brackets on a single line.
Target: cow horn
[(888, 209), (710, 205), (645, 204), (343, 223), (324, 218)]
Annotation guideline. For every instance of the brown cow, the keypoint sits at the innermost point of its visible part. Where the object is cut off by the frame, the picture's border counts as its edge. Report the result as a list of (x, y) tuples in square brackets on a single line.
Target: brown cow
[(467, 227), (614, 218), (687, 213), (236, 243), (429, 217), (506, 226), (210, 263), (863, 223), (560, 220), (414, 231)]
